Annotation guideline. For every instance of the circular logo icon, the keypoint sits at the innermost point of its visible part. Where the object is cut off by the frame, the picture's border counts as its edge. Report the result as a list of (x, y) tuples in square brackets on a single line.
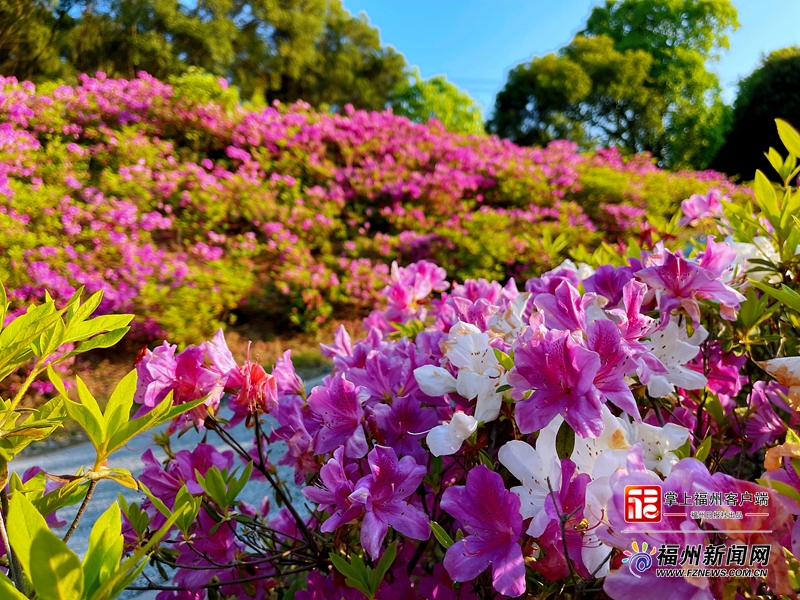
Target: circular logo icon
[(640, 559)]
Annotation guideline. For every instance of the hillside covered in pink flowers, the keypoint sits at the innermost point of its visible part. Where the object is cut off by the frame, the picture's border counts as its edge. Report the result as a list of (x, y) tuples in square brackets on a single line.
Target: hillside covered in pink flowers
[(194, 211)]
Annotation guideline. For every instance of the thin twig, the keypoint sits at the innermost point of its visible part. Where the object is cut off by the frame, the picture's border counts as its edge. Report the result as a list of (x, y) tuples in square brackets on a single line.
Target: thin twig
[(84, 504), (13, 565)]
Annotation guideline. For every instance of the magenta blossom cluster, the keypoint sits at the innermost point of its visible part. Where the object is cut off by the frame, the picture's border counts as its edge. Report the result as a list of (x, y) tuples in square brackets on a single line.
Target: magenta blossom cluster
[(127, 186), (448, 418)]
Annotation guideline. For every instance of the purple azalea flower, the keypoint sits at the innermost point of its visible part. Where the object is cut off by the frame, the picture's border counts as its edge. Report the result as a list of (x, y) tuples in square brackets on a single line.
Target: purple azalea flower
[(604, 338), (165, 481), (333, 495), (383, 495), (404, 424), (699, 206), (286, 378), (565, 309), (764, 425), (609, 281), (155, 374), (568, 499), (681, 283), (299, 443), (221, 360), (320, 587), (561, 373), (336, 417), (489, 515)]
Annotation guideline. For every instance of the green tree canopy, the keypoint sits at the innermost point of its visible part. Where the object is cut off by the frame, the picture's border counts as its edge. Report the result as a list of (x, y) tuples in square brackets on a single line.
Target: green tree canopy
[(771, 91), (436, 98), (269, 49), (635, 77)]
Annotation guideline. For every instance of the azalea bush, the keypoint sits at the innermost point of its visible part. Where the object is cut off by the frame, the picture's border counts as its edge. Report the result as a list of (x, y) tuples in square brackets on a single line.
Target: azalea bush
[(172, 195), (480, 441)]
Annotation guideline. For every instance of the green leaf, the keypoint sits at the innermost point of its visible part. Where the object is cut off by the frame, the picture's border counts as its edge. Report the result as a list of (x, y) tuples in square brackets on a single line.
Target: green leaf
[(703, 449), (160, 414), (157, 502), (780, 487), (565, 441), (775, 160), (85, 310), (7, 589), (786, 295), (441, 535), (104, 340), (766, 198), (384, 564), (504, 359), (789, 137), (67, 495), (106, 323), (130, 569), (344, 567), (55, 570), (3, 305), (87, 400), (88, 422), (121, 476), (105, 549), (118, 409), (503, 388), (714, 407)]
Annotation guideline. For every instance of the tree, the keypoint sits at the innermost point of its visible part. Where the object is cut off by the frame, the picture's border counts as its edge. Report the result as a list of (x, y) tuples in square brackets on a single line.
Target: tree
[(30, 34), (771, 91), (436, 98), (270, 49), (665, 101), (349, 66)]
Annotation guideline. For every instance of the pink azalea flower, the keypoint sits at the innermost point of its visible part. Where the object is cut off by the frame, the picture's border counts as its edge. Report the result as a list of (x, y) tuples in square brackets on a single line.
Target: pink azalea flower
[(404, 424), (383, 494), (604, 338), (561, 373), (489, 515), (699, 207), (286, 379), (680, 283), (567, 499), (333, 495), (565, 309), (299, 443), (258, 390), (336, 417), (609, 281)]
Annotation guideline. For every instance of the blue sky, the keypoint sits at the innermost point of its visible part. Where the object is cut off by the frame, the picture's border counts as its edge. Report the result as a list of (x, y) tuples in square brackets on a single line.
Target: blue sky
[(475, 42)]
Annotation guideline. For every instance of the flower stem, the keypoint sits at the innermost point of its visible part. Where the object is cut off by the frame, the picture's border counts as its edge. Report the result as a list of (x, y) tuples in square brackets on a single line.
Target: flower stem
[(14, 568), (84, 504)]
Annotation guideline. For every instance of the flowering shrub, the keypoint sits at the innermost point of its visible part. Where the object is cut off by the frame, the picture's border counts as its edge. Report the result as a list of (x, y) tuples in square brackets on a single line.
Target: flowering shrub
[(581, 432), (166, 196)]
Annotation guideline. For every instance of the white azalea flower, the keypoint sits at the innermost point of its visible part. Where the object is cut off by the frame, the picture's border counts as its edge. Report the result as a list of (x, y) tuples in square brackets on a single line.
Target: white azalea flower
[(762, 249), (532, 466), (583, 270), (509, 323), (479, 374), (659, 445), (787, 371), (674, 348), (444, 440), (434, 381)]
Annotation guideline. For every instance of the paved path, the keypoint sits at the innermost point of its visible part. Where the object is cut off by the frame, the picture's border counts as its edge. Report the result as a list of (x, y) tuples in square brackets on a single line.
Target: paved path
[(69, 460)]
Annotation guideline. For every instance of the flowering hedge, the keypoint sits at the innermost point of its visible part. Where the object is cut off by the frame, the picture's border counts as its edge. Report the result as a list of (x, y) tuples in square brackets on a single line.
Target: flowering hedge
[(171, 196), (628, 427)]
